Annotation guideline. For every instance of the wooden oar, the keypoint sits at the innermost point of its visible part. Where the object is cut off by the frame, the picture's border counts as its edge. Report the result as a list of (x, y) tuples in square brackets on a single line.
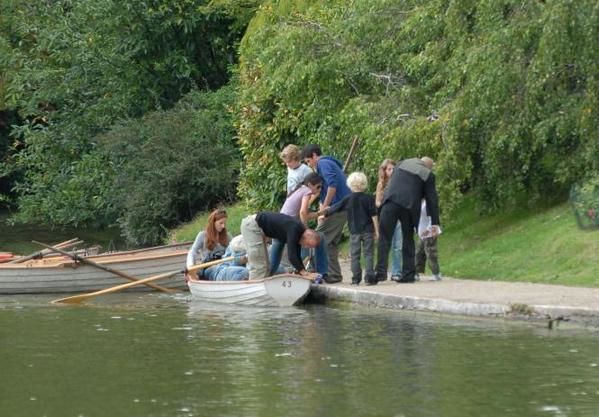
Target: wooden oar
[(82, 297), (62, 245), (122, 274), (350, 155), (135, 251)]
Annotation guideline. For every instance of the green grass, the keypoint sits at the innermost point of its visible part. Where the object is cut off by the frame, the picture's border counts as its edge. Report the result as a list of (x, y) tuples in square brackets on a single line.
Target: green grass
[(543, 245), (190, 230)]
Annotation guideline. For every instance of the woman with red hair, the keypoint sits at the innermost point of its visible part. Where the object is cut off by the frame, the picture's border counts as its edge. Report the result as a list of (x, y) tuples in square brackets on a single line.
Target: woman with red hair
[(210, 244)]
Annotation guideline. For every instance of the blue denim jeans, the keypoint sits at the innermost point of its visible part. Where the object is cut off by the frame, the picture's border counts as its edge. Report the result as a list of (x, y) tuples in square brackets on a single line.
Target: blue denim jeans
[(276, 252), (396, 251), (225, 272)]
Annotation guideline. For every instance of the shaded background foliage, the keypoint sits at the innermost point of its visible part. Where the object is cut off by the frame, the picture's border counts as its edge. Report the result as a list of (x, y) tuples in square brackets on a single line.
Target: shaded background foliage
[(73, 70), (169, 165)]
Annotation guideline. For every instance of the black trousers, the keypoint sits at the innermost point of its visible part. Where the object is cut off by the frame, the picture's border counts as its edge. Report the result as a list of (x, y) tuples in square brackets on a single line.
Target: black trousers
[(390, 214)]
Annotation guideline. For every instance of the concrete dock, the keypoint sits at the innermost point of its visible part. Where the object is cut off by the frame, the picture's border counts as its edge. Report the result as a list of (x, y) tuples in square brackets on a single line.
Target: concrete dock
[(507, 300)]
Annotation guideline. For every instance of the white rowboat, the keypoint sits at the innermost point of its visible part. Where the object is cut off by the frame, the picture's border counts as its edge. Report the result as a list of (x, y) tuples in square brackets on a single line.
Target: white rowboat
[(59, 274), (276, 291)]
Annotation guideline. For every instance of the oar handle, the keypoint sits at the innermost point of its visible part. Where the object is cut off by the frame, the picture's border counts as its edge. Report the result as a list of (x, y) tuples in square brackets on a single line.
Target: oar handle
[(62, 245), (208, 264)]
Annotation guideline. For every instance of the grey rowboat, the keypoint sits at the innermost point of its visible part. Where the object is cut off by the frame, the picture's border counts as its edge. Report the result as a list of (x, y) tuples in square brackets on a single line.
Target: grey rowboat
[(58, 274)]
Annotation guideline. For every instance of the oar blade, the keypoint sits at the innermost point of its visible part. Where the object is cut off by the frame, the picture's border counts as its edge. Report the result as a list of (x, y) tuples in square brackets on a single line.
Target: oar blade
[(75, 299)]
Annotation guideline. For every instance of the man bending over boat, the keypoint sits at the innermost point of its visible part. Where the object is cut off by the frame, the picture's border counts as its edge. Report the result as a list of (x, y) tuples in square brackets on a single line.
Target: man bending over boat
[(256, 228)]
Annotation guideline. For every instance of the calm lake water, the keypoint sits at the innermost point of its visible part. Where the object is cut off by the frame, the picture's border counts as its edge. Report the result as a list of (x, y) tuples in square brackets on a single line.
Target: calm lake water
[(162, 355)]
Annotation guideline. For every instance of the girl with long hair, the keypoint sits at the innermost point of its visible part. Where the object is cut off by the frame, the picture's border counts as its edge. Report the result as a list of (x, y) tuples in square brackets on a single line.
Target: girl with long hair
[(216, 230), (211, 244), (385, 171)]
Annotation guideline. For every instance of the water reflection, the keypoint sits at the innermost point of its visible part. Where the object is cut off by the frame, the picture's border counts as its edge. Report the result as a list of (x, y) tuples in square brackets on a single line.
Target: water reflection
[(17, 238), (158, 355)]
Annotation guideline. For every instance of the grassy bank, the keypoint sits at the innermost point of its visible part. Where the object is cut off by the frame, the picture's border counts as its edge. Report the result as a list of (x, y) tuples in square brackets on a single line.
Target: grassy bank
[(543, 246), (189, 231), (536, 246)]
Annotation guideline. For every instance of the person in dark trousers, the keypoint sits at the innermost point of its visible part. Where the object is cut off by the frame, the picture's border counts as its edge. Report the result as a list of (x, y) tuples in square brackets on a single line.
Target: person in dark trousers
[(334, 189), (289, 230), (363, 226), (412, 181)]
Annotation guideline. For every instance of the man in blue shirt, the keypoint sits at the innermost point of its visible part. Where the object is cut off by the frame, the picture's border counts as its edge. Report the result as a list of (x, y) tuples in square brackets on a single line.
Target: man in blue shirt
[(334, 189)]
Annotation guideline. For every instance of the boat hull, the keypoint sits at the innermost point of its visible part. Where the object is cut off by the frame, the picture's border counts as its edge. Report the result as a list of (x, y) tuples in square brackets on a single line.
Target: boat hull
[(62, 275), (276, 291)]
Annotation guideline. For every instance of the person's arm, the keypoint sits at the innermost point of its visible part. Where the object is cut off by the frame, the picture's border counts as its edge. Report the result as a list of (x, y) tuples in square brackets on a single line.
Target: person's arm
[(193, 251), (340, 206), (379, 194), (331, 176), (432, 204), (331, 192), (294, 254), (294, 249), (372, 211), (305, 213), (375, 221)]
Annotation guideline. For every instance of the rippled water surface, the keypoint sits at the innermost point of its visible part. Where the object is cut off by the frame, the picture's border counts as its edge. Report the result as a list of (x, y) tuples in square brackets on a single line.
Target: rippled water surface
[(159, 355)]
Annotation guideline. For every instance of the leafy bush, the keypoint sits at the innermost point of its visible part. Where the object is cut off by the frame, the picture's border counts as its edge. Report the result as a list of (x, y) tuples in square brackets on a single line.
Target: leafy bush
[(585, 200), (168, 165)]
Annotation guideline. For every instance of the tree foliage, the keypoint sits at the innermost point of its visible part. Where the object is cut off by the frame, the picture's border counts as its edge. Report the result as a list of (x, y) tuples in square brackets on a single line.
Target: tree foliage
[(503, 94), (73, 69), (498, 92)]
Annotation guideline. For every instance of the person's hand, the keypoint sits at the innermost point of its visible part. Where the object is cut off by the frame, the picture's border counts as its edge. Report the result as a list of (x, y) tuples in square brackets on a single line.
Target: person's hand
[(310, 275), (435, 230)]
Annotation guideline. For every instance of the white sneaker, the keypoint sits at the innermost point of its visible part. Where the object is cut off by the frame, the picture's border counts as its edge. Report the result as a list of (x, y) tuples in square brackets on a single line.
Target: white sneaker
[(416, 277), (437, 277)]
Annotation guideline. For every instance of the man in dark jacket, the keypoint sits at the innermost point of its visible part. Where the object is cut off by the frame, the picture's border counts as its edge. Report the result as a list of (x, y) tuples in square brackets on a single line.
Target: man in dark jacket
[(412, 181)]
